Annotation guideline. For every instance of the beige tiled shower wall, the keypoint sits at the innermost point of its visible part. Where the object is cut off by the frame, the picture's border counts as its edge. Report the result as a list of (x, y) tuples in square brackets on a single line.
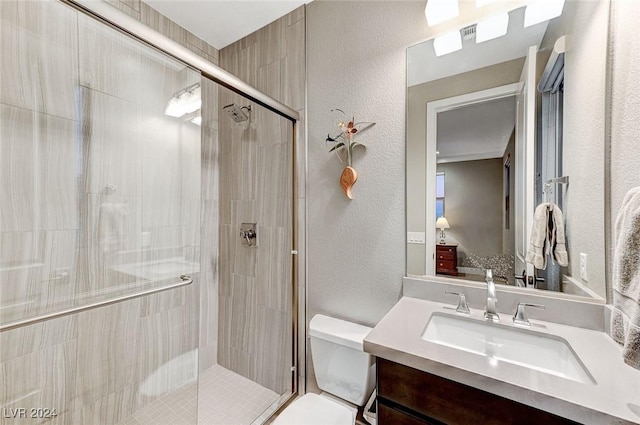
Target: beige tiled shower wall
[(144, 13), (81, 109), (209, 232), (208, 347), (255, 186)]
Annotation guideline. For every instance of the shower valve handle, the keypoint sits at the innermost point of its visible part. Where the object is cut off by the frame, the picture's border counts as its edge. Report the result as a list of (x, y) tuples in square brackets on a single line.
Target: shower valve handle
[(248, 235)]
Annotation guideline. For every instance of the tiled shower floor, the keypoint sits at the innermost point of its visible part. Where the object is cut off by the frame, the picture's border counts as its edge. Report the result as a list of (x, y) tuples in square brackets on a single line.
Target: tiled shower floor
[(225, 398)]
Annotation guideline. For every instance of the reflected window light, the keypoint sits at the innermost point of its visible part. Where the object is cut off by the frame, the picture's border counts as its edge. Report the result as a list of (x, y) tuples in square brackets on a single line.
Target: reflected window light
[(542, 10), (438, 11), (492, 28)]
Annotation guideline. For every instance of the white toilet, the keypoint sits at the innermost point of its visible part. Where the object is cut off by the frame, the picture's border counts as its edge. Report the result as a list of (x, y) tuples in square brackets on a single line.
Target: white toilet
[(342, 369)]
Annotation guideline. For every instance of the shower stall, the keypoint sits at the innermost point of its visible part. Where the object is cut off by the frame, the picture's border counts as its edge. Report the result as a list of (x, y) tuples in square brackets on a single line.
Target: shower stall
[(146, 232)]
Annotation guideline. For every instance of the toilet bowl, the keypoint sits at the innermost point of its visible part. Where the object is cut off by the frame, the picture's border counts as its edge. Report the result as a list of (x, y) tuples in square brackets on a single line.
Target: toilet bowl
[(342, 369), (314, 409)]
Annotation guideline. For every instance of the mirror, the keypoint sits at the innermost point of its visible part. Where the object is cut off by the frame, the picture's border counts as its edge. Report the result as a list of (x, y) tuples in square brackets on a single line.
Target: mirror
[(498, 129)]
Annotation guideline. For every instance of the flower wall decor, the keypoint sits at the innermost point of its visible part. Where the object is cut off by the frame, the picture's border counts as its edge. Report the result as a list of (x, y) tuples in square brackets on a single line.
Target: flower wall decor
[(344, 145)]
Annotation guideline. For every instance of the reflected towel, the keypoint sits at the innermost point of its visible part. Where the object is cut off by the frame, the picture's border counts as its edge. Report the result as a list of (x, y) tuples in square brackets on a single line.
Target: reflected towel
[(112, 220), (547, 235), (625, 319), (557, 240)]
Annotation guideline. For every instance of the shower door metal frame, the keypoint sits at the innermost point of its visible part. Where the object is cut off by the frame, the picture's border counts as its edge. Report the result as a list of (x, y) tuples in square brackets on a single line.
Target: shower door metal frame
[(116, 18)]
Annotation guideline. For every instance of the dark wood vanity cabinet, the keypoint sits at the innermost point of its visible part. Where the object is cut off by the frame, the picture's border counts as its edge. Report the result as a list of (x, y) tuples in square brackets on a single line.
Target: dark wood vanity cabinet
[(447, 259), (408, 396)]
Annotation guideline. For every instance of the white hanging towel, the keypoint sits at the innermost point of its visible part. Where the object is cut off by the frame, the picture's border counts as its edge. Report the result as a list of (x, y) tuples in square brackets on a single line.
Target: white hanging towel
[(547, 236), (625, 318), (112, 219)]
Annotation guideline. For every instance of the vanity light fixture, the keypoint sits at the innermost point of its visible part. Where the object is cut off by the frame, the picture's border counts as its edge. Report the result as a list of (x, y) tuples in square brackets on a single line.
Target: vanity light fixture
[(447, 43), (542, 10), (438, 11), (493, 27), (184, 102)]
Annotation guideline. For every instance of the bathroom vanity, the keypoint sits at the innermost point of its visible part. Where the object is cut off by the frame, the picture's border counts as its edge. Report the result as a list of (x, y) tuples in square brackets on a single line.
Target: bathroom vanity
[(407, 396), (425, 376)]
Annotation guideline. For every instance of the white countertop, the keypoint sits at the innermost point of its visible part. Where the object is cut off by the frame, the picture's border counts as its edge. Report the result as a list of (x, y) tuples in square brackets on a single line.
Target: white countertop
[(614, 399)]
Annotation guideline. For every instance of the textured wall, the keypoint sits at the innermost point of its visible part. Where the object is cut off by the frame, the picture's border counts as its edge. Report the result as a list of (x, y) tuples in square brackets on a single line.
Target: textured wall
[(583, 144), (625, 107), (356, 250), (417, 98), (256, 187), (356, 62)]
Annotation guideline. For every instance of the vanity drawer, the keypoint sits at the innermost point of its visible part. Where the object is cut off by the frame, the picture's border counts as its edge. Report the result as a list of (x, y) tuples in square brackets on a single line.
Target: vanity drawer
[(445, 265), (445, 249), (390, 415), (449, 402), (445, 256)]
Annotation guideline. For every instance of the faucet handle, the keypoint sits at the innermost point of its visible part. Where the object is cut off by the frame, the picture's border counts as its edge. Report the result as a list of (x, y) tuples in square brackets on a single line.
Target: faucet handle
[(488, 274), (522, 277), (463, 307), (520, 318)]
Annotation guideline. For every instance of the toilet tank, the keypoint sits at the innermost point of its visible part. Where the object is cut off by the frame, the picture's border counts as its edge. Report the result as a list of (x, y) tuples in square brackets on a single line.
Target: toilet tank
[(341, 366)]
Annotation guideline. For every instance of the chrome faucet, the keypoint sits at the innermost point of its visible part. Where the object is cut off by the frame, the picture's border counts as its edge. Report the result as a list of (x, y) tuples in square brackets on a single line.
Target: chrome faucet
[(463, 307), (491, 313), (520, 317)]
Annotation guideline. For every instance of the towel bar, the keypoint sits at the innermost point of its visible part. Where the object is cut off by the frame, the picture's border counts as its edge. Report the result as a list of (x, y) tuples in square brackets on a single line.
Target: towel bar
[(184, 281)]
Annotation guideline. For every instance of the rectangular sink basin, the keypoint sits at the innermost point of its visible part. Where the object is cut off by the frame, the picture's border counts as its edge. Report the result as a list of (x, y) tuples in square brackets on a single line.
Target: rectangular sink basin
[(534, 350)]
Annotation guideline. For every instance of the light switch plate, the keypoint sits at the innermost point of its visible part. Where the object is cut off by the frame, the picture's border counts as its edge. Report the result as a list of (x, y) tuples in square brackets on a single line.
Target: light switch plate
[(583, 267), (415, 237)]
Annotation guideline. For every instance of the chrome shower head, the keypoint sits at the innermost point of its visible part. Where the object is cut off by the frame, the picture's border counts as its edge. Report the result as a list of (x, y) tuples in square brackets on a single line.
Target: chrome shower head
[(238, 113)]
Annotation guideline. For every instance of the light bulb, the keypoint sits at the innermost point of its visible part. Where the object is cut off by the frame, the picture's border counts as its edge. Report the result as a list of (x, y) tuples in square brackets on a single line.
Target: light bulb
[(447, 43)]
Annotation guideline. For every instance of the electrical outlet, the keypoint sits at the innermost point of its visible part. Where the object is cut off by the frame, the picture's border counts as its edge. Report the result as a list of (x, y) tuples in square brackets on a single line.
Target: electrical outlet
[(583, 267), (415, 237)]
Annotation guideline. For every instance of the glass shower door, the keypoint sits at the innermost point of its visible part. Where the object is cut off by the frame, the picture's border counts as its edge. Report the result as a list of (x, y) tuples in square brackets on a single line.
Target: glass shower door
[(101, 201), (252, 374)]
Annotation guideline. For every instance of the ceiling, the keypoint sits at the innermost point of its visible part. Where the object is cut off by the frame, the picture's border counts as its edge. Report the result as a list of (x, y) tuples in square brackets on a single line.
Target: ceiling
[(485, 134), (222, 22)]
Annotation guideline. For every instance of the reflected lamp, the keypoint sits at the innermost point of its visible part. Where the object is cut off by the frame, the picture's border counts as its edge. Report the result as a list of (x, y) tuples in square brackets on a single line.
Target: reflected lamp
[(442, 224)]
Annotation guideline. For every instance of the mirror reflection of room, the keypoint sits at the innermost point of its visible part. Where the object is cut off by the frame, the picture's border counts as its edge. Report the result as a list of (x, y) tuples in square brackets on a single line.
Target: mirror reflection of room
[(475, 190), (497, 129)]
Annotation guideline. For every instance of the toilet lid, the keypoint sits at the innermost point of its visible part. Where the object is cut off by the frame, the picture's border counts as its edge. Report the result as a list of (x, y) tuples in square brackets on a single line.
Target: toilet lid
[(313, 409)]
